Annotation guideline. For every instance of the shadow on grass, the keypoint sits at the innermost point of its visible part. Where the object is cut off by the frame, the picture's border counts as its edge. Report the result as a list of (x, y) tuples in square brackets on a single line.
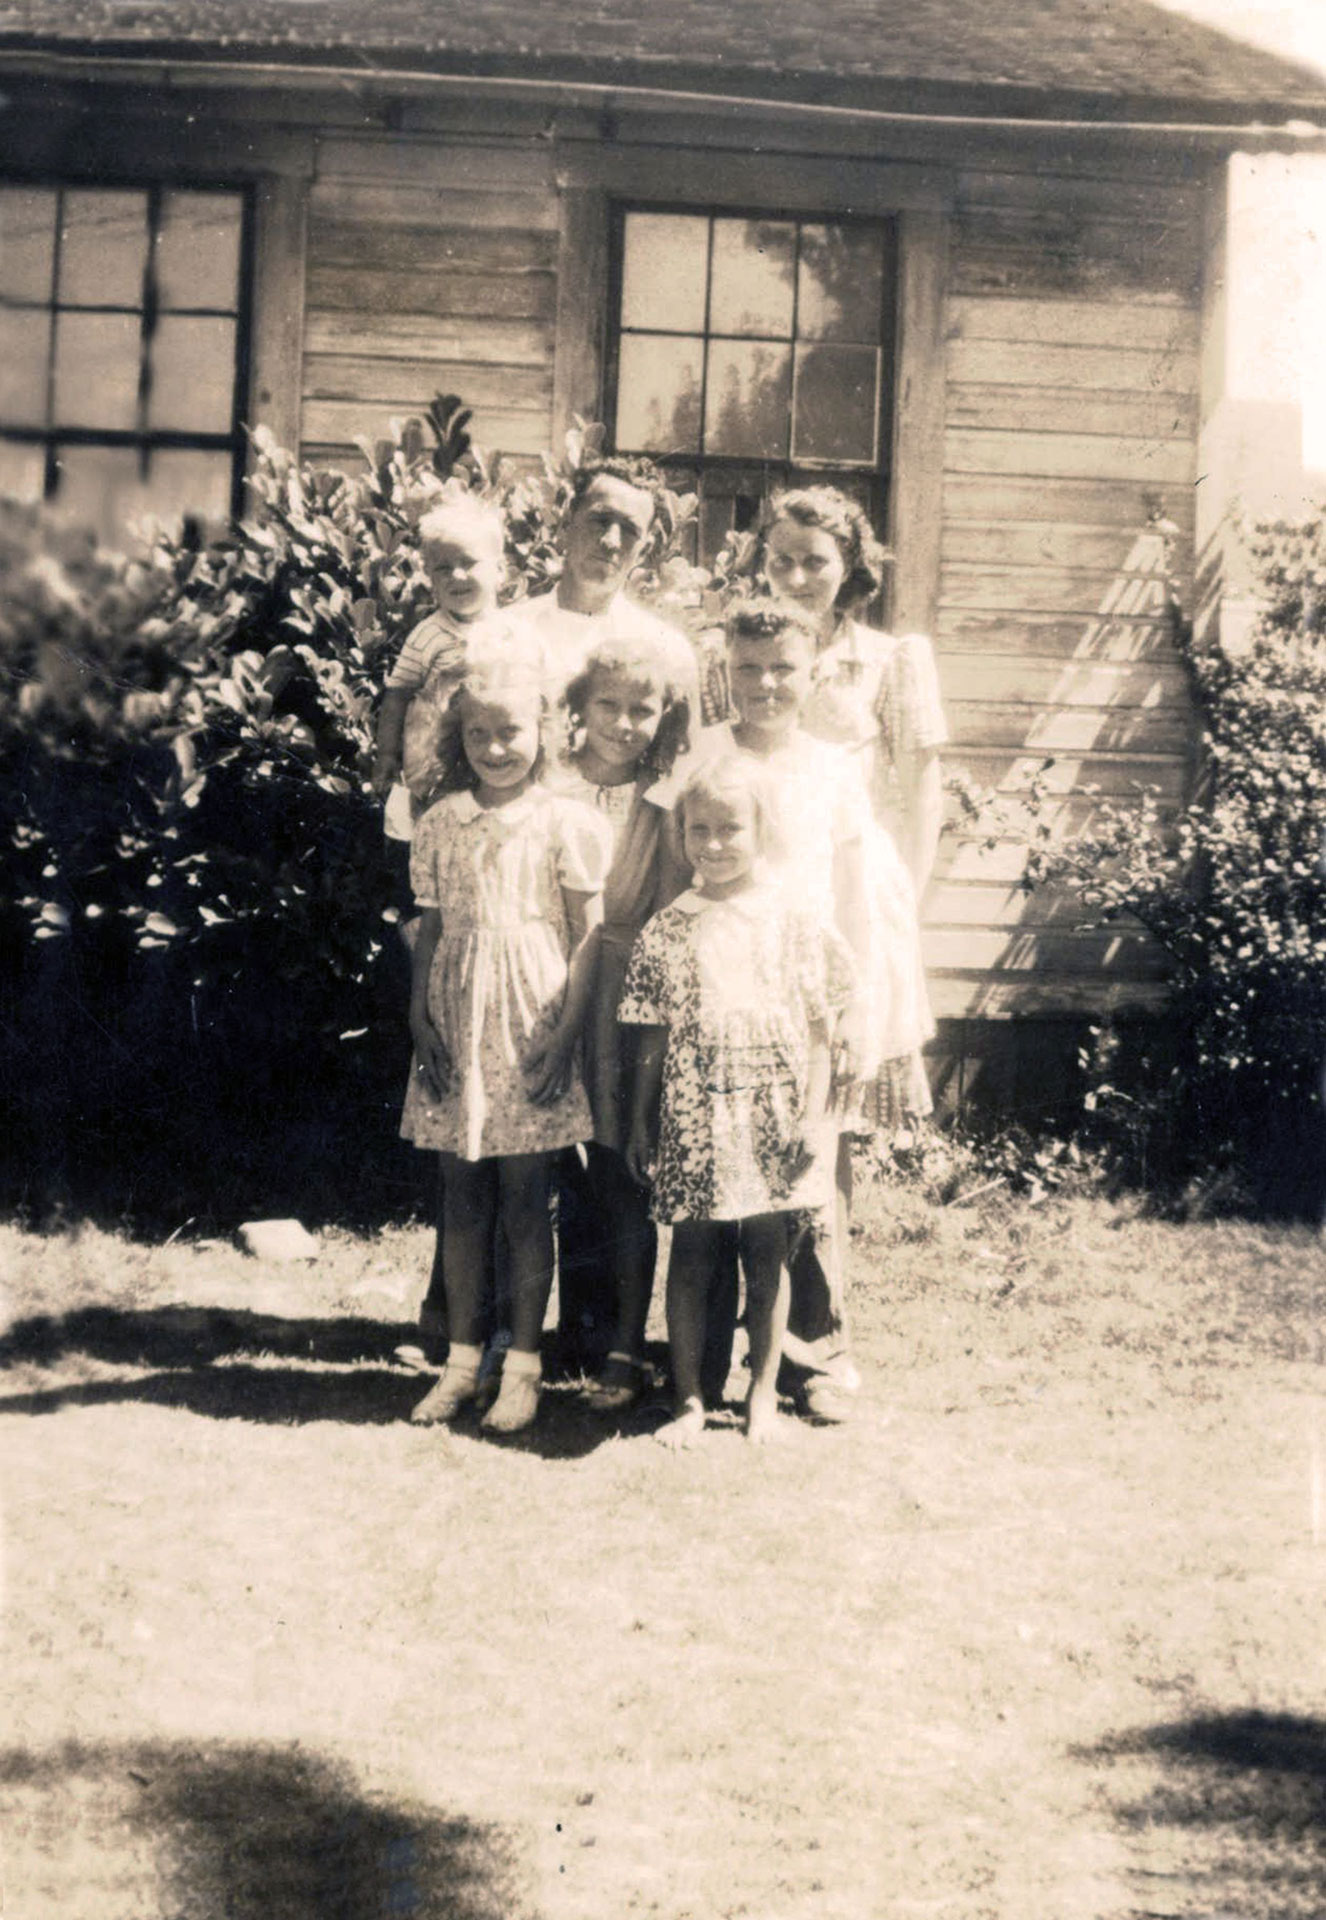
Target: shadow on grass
[(277, 1396), (248, 1832), (193, 1359), (1252, 1787), (195, 1336)]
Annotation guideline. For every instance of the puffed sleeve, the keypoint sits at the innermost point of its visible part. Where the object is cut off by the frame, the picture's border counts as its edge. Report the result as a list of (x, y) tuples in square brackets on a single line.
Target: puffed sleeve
[(584, 847), (646, 997), (911, 712), (425, 848), (824, 971)]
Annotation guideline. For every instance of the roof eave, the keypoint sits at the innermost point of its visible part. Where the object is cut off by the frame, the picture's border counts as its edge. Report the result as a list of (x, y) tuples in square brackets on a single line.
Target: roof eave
[(642, 83)]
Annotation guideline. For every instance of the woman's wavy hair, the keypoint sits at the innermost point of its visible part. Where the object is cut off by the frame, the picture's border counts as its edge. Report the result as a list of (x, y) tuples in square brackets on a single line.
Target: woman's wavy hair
[(865, 559), (637, 660)]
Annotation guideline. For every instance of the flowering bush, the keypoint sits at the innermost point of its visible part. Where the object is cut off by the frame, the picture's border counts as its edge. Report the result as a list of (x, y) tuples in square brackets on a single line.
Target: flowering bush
[(1234, 892)]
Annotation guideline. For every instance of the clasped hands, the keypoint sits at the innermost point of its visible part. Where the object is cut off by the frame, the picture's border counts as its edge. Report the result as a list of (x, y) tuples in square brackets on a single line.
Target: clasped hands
[(546, 1066)]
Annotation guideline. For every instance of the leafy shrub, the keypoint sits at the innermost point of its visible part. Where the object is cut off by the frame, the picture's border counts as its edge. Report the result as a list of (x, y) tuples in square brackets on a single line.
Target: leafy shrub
[(1229, 1079), (201, 983)]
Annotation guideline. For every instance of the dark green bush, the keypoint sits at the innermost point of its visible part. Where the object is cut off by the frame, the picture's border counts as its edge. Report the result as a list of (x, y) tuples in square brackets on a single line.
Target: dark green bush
[(1227, 1082), (202, 987)]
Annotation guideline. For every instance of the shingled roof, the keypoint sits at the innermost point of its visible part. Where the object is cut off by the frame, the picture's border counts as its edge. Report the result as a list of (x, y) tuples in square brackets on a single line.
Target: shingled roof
[(1114, 58)]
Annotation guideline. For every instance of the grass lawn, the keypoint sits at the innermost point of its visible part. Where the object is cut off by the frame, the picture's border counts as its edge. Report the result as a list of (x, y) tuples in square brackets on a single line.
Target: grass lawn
[(1039, 1634)]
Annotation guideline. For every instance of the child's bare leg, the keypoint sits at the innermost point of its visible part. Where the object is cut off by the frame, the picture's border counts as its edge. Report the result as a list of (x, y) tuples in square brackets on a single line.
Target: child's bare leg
[(523, 1183), (469, 1197), (469, 1207), (695, 1246), (768, 1288)]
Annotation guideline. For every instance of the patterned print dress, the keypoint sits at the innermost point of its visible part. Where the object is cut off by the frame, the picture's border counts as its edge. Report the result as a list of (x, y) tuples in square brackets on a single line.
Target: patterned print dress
[(499, 973), (737, 984)]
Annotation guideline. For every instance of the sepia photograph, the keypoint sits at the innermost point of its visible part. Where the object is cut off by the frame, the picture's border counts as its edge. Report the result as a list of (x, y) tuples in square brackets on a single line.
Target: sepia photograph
[(662, 959)]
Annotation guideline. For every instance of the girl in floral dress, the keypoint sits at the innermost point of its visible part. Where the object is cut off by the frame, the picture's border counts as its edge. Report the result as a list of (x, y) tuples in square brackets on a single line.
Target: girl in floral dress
[(737, 988), (629, 714), (509, 881)]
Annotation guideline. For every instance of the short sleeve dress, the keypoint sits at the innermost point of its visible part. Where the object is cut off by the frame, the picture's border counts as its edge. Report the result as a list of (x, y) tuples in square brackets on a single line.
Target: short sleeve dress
[(876, 695), (499, 973), (736, 983)]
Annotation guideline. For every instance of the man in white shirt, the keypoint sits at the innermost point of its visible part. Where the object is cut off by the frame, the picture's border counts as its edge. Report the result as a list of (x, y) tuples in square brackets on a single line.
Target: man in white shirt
[(611, 521)]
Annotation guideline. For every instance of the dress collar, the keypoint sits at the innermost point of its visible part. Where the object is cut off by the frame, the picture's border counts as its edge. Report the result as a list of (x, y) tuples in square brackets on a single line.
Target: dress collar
[(753, 904), (465, 807)]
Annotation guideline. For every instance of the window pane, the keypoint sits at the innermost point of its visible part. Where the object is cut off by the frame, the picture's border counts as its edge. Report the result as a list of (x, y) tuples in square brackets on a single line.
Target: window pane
[(27, 242), (22, 470), (754, 262), (746, 403), (181, 480), (103, 488), (837, 404), (664, 261), (193, 375), (96, 370), (198, 250), (25, 337), (94, 486), (658, 394), (840, 295), (103, 249)]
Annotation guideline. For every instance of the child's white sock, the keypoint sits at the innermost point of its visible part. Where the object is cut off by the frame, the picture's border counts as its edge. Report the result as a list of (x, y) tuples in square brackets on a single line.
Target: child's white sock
[(463, 1359), (517, 1362)]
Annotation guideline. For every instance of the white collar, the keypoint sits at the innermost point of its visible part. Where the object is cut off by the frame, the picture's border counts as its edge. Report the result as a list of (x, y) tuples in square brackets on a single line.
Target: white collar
[(753, 904), (465, 807)]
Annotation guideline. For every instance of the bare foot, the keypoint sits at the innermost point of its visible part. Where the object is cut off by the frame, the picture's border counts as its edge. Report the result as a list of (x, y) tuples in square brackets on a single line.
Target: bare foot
[(762, 1422), (687, 1430)]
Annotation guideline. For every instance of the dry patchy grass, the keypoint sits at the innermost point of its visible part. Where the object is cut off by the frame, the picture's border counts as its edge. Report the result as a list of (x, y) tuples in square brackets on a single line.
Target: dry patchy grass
[(1038, 1634)]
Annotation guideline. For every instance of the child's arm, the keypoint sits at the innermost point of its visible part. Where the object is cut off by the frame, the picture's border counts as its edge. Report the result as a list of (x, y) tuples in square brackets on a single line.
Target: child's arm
[(433, 1061), (548, 1063), (391, 737), (646, 1089), (818, 1077)]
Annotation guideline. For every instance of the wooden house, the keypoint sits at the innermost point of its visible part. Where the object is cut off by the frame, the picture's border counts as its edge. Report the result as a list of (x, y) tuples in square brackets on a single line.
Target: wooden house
[(985, 267)]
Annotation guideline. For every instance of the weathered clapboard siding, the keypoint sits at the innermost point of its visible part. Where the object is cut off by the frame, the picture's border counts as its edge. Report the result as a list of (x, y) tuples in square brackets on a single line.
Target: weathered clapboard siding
[(431, 268), (1071, 421)]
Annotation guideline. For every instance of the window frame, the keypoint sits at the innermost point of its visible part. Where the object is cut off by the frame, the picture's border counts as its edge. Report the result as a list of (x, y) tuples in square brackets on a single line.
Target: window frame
[(141, 438), (879, 475)]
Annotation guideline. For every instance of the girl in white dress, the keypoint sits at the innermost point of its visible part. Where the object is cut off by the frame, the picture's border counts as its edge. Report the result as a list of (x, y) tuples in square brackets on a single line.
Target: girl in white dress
[(877, 695), (508, 878)]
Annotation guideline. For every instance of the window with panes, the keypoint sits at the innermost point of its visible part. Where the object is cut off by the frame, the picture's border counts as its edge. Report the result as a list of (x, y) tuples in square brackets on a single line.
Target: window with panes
[(751, 352), (123, 345)]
